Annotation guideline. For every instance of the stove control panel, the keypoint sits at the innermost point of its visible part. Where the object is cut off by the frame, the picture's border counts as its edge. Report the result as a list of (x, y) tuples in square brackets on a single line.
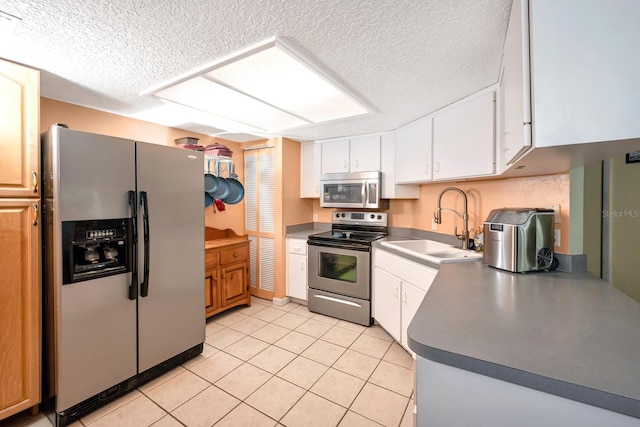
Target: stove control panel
[(360, 218)]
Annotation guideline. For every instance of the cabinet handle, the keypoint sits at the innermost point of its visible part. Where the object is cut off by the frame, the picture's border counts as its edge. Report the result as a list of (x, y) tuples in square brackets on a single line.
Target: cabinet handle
[(437, 166), (345, 165), (215, 279), (235, 254), (317, 190), (302, 265), (395, 291), (224, 276), (426, 169), (35, 214), (34, 177), (357, 163), (404, 297)]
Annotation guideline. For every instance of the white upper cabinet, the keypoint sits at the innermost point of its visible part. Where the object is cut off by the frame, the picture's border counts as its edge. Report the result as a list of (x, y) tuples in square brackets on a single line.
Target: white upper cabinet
[(515, 85), (581, 85), (464, 139), (390, 189), (335, 156), (364, 153), (585, 79), (358, 154), (413, 152), (310, 161)]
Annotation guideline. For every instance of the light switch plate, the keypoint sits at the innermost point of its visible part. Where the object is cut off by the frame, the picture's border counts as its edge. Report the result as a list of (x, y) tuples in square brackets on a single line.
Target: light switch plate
[(556, 237)]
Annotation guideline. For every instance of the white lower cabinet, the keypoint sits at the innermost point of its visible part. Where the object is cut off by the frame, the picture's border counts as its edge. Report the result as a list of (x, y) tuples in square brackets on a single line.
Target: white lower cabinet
[(297, 268), (399, 286)]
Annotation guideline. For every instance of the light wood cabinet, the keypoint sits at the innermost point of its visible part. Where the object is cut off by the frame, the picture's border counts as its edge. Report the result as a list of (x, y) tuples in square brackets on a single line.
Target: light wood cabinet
[(20, 297), (19, 113), (226, 276)]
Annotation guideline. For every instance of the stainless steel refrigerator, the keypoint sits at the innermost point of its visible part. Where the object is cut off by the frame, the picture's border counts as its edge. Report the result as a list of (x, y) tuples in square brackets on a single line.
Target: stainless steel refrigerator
[(123, 265)]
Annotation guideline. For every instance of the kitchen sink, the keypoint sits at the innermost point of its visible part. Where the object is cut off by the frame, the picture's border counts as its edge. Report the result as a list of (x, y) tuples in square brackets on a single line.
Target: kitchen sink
[(430, 250)]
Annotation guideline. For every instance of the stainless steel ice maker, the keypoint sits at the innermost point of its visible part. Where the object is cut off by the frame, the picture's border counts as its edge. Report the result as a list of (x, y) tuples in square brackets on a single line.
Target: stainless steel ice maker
[(519, 239)]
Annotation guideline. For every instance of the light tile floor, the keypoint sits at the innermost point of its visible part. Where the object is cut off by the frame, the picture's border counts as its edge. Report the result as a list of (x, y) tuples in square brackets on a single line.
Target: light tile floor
[(269, 365)]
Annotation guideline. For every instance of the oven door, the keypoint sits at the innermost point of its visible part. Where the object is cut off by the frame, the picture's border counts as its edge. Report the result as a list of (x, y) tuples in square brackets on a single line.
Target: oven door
[(340, 268)]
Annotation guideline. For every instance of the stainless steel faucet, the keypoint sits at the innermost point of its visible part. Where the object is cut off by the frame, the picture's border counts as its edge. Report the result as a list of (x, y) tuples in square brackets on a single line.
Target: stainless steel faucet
[(465, 217)]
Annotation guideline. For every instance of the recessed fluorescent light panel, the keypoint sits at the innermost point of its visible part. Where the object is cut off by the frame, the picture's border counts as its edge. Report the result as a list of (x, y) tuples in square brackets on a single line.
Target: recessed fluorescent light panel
[(269, 87)]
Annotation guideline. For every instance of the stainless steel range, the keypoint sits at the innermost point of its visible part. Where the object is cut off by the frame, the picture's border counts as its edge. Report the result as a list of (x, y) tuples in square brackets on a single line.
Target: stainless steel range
[(339, 263)]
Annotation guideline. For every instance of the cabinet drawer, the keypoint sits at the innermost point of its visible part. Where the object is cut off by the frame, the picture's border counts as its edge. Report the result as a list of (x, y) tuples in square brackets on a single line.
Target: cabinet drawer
[(211, 259), (420, 275), (231, 255), (297, 246)]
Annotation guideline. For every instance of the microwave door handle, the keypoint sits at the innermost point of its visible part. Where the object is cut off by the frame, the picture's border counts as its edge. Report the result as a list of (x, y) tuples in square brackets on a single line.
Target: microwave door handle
[(365, 195)]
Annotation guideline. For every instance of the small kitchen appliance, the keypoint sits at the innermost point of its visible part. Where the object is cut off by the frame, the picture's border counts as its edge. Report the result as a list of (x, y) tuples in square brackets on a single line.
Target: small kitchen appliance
[(519, 239), (339, 273), (356, 190)]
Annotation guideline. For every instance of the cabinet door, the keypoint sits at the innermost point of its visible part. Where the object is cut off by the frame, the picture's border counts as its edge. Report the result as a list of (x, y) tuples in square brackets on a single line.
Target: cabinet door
[(310, 164), (364, 154), (297, 276), (211, 291), (515, 86), (386, 301), (19, 133), (19, 305), (464, 139), (234, 283), (412, 297), (413, 152), (585, 83), (335, 156)]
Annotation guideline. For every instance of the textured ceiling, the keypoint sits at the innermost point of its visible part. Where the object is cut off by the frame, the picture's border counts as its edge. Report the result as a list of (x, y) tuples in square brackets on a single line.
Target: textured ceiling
[(405, 58)]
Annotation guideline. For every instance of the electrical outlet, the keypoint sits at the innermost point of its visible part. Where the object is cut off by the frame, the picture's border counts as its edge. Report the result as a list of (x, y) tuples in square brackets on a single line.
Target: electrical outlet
[(315, 217), (556, 212), (434, 226), (556, 237)]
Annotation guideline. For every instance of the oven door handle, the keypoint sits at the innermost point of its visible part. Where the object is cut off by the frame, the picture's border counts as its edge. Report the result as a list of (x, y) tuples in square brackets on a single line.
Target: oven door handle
[(340, 245)]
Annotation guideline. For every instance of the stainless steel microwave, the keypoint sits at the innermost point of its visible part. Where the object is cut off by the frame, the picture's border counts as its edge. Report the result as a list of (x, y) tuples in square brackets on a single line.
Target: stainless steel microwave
[(361, 190)]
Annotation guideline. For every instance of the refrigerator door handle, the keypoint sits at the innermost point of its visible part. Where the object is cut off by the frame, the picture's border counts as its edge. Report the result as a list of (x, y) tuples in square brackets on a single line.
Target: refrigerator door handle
[(133, 287), (144, 288)]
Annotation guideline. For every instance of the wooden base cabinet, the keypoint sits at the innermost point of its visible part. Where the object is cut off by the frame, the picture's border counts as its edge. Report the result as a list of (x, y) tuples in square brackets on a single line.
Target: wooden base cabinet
[(227, 277)]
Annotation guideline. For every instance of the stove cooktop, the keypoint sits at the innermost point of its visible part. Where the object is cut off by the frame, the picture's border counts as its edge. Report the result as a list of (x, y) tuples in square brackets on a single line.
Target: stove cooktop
[(356, 236)]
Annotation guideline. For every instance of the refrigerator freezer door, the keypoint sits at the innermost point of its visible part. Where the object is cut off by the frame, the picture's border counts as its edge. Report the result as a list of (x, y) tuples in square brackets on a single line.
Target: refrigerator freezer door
[(171, 317), (97, 340), (95, 321), (96, 171)]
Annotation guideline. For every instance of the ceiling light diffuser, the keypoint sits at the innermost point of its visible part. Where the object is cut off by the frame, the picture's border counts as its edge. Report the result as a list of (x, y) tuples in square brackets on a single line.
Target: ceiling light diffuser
[(269, 87)]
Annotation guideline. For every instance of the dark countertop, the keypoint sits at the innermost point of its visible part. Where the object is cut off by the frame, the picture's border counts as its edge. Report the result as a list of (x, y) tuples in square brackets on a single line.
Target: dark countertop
[(568, 334)]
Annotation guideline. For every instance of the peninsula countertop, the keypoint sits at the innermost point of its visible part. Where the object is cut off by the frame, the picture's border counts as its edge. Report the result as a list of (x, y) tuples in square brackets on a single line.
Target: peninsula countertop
[(568, 334)]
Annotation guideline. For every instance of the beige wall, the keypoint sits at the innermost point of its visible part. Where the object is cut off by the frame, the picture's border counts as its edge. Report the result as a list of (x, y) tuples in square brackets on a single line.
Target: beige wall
[(95, 121), (483, 196)]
